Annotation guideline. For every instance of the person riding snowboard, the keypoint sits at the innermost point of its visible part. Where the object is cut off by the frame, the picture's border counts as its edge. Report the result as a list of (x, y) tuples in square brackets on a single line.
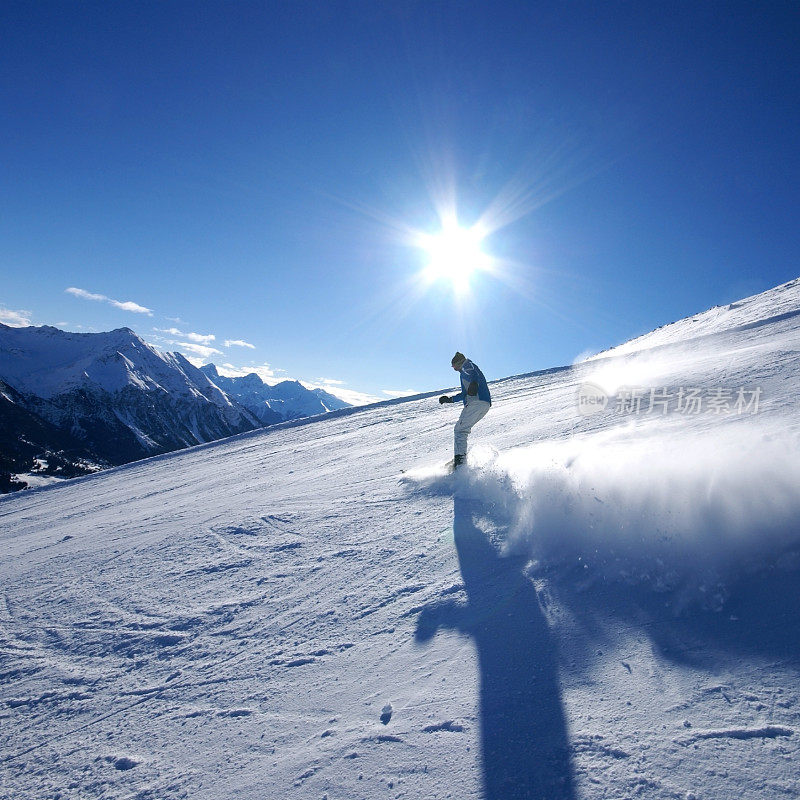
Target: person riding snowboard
[(477, 402)]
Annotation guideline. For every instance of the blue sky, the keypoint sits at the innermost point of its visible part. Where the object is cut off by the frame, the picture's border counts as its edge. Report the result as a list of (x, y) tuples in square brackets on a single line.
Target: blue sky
[(261, 173)]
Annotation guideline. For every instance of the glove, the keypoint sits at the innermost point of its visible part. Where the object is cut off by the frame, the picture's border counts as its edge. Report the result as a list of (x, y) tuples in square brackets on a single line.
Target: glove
[(445, 399)]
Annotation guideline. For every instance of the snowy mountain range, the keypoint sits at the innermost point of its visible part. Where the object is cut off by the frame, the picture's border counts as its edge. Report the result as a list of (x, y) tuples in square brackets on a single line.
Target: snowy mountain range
[(274, 403), (72, 403), (605, 603)]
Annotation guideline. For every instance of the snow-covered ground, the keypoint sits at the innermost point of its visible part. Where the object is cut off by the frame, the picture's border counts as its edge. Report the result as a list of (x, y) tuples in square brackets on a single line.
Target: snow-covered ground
[(603, 606)]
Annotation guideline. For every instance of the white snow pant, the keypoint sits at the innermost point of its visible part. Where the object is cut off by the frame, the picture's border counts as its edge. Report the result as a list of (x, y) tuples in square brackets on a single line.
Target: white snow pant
[(474, 411)]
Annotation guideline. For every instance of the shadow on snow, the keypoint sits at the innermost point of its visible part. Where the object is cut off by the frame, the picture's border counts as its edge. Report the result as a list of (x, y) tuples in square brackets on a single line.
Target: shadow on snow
[(523, 727), (760, 617)]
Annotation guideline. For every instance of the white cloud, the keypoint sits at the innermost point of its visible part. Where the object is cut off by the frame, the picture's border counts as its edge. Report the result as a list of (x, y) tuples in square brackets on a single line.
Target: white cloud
[(202, 350), (197, 338), (16, 319), (231, 371), (239, 343), (84, 294), (332, 382), (127, 305), (264, 371), (201, 338), (400, 392)]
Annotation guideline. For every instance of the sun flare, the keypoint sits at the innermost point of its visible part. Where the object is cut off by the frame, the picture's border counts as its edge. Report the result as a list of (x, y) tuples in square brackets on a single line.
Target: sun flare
[(455, 254)]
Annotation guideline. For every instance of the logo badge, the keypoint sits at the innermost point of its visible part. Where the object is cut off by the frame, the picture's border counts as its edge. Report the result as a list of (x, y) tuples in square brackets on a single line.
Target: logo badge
[(592, 399)]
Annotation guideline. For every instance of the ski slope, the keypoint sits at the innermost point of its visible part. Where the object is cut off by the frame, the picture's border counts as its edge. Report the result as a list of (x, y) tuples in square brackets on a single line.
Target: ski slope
[(601, 606)]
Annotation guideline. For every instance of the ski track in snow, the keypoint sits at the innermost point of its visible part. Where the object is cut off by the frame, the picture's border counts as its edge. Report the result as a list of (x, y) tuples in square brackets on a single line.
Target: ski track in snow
[(285, 614)]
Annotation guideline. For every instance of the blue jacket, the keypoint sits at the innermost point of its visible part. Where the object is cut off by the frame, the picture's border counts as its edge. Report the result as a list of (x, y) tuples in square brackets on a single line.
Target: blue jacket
[(469, 373)]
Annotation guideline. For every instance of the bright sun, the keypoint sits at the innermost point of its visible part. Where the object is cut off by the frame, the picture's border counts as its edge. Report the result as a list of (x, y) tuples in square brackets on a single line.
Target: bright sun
[(455, 255)]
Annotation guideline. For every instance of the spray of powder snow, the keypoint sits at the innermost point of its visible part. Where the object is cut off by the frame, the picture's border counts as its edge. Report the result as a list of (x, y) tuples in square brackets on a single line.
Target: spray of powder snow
[(679, 512)]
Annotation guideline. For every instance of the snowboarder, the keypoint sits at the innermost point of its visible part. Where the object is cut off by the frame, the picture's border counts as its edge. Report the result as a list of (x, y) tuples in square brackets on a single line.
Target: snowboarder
[(477, 402)]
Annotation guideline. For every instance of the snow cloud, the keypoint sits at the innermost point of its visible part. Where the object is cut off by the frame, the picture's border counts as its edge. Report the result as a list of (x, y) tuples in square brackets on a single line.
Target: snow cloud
[(239, 343), (684, 514), (16, 319), (126, 305), (584, 355)]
